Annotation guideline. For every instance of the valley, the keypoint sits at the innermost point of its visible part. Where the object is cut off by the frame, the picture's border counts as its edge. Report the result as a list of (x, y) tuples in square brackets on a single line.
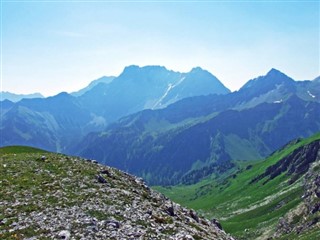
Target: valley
[(262, 200)]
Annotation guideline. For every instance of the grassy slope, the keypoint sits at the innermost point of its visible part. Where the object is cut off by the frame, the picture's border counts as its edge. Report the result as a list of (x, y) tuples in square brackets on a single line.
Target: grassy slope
[(39, 198), (246, 210), (20, 149), (28, 173)]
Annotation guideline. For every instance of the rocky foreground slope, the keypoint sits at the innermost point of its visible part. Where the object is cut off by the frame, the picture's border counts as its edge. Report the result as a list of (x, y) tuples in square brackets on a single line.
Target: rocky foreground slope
[(52, 196)]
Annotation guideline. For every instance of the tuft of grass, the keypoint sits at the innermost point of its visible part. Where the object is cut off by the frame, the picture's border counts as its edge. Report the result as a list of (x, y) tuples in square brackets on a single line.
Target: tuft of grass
[(99, 214)]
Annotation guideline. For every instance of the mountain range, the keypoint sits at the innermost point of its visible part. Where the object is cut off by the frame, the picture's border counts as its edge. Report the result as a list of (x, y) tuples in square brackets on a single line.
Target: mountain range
[(200, 135), (57, 123), (168, 127), (249, 158), (17, 97)]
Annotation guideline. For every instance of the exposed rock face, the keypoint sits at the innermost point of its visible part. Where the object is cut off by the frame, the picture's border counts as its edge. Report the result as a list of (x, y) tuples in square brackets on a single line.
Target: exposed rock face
[(306, 216), (295, 164), (69, 198)]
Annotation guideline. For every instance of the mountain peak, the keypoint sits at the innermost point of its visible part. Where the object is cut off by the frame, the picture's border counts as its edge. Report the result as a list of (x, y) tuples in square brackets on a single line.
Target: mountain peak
[(62, 94), (275, 72), (131, 68), (275, 76), (197, 69), (269, 81), (317, 79), (134, 69)]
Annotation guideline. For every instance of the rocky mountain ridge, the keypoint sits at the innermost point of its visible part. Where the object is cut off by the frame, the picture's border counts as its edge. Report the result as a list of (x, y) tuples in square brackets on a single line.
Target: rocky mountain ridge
[(46, 195), (195, 135)]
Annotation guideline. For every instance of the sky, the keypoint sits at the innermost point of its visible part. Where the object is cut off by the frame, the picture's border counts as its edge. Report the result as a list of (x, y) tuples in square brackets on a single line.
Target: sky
[(55, 46)]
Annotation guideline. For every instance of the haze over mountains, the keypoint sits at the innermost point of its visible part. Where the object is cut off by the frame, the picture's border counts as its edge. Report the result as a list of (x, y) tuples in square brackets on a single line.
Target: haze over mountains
[(187, 132), (167, 126), (17, 97), (58, 122), (94, 83), (201, 135)]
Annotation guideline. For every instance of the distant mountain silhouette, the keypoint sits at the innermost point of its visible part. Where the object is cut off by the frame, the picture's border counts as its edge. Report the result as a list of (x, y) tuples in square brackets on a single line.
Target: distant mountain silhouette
[(93, 84), (57, 123), (17, 97)]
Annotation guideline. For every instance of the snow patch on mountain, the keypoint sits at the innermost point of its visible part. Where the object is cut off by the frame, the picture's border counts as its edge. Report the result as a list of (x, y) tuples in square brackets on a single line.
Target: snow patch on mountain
[(311, 95), (170, 87)]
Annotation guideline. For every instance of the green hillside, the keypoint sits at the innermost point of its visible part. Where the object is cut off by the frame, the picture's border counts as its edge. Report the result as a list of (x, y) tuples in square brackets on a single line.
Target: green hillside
[(166, 146), (250, 202)]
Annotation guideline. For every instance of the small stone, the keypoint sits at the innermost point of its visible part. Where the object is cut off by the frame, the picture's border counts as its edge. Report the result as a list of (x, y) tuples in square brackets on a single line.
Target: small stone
[(65, 234), (170, 211), (194, 215), (217, 223), (101, 179), (105, 171), (93, 228), (188, 237), (2, 222), (113, 223)]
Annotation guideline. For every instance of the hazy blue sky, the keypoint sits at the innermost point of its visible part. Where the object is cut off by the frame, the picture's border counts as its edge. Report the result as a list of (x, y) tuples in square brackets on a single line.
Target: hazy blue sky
[(51, 46)]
